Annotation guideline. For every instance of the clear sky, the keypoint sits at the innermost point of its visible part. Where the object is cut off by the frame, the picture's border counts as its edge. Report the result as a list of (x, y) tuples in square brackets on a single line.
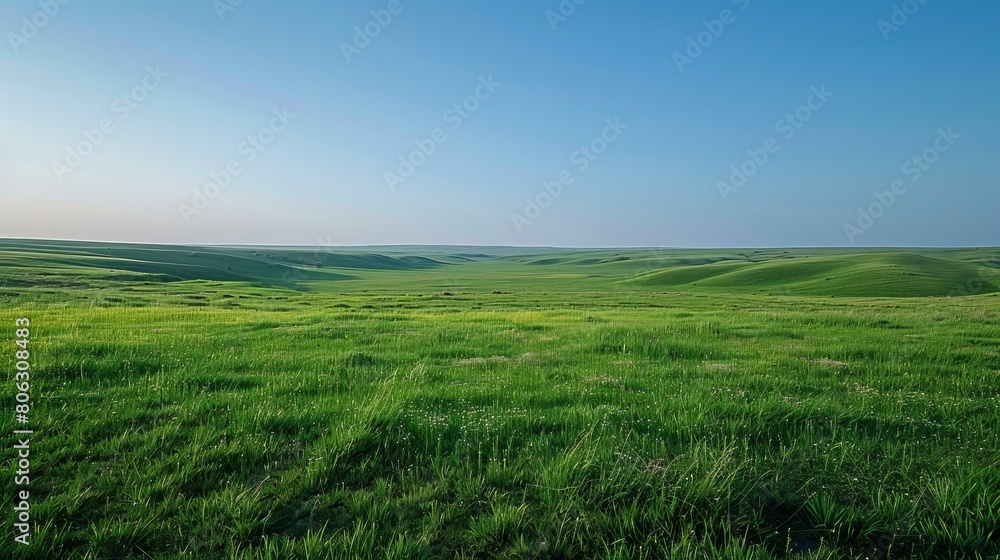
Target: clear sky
[(644, 108)]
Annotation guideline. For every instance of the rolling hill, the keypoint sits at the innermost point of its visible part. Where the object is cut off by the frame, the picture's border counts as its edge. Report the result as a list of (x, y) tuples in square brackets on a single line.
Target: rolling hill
[(870, 275), (836, 272)]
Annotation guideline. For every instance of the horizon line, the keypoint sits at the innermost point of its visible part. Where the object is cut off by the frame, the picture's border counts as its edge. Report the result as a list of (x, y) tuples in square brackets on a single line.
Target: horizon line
[(416, 245)]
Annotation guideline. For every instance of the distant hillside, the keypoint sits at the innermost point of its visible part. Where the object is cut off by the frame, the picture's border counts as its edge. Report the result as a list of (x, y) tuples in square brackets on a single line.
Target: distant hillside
[(65, 262), (869, 275), (808, 272)]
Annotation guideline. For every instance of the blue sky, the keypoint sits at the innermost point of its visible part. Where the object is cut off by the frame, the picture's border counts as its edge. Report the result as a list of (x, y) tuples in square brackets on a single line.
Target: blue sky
[(311, 117)]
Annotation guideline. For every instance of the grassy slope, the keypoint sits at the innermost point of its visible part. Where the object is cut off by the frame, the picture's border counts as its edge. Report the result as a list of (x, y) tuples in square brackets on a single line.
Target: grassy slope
[(820, 272), (887, 275), (270, 267), (370, 417)]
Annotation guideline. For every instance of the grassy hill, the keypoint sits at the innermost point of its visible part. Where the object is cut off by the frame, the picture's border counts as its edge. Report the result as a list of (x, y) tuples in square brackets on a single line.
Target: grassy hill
[(67, 263), (874, 275), (802, 272)]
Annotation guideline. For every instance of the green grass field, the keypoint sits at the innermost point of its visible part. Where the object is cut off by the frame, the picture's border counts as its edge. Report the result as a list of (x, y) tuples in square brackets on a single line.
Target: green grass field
[(471, 402)]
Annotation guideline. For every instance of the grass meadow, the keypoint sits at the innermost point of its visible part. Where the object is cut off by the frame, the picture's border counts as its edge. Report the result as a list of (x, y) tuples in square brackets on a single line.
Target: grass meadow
[(264, 403)]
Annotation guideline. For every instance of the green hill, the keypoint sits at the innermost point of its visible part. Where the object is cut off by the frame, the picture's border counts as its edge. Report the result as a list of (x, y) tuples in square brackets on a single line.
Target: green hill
[(869, 275), (68, 263), (810, 272)]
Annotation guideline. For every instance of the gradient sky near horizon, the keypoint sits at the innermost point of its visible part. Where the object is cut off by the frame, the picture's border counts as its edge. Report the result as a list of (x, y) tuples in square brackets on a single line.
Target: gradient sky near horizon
[(657, 184)]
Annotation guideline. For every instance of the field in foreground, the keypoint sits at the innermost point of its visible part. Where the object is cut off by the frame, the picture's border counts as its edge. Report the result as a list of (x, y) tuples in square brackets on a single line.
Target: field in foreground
[(497, 403)]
